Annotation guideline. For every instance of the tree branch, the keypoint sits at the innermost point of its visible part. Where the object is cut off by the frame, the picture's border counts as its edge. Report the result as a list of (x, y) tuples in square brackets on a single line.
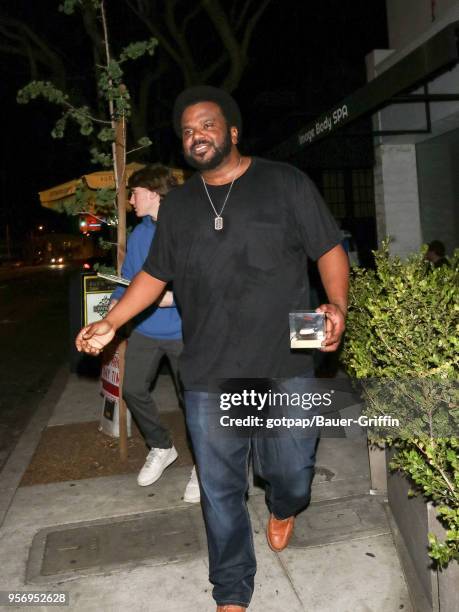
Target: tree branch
[(31, 46), (220, 21), (169, 21), (11, 50), (32, 62), (240, 20), (252, 22), (139, 104), (187, 63), (206, 74), (191, 15), (70, 106), (442, 472), (111, 105), (92, 30), (156, 31)]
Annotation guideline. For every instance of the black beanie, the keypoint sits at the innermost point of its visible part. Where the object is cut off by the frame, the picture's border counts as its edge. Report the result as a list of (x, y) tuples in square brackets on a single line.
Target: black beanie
[(207, 93)]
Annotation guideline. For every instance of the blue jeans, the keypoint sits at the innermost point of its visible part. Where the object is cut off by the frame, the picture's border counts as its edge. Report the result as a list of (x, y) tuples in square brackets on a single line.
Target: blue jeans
[(285, 462)]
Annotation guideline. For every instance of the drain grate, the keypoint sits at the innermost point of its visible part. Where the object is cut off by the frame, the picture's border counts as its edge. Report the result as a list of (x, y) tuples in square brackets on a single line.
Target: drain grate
[(154, 538)]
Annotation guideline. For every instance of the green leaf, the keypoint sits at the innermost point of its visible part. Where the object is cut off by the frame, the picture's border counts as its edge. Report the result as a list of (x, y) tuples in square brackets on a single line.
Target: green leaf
[(137, 49), (106, 134), (99, 157), (144, 141)]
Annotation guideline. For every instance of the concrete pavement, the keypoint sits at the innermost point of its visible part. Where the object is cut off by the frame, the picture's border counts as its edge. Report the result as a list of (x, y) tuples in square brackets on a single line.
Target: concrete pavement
[(66, 536)]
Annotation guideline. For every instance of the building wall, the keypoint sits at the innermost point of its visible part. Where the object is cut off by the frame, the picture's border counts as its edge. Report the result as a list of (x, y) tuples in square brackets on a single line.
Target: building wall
[(397, 198), (416, 199), (438, 176), (408, 19)]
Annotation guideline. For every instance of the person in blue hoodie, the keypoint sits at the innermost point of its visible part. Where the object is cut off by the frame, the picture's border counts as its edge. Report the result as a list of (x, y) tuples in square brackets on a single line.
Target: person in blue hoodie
[(157, 332)]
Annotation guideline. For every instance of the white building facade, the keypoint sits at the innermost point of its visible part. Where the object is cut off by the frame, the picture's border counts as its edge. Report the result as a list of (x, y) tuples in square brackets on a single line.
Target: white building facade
[(416, 171)]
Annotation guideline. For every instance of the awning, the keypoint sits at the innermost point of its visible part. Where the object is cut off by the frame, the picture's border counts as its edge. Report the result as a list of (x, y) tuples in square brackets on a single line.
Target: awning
[(55, 197), (438, 54)]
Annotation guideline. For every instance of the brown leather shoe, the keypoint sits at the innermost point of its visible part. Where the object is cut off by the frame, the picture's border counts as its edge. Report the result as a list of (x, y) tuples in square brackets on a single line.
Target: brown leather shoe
[(230, 608), (279, 532)]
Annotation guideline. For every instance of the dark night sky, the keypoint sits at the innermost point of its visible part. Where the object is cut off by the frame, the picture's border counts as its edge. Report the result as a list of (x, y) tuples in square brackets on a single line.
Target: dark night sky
[(305, 56)]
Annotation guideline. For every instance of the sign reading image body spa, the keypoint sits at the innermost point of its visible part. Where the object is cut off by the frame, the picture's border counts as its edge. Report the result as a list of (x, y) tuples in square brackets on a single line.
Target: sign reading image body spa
[(96, 298), (324, 125)]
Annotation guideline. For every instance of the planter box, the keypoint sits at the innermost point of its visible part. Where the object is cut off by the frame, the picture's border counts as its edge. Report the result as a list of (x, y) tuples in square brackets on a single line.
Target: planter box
[(448, 580), (412, 518), (378, 469)]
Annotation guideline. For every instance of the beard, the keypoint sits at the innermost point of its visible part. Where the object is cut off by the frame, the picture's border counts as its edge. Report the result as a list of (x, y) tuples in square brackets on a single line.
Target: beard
[(220, 153)]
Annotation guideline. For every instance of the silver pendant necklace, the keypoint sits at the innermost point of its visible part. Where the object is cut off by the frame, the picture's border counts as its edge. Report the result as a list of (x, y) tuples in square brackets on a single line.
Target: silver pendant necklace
[(218, 221)]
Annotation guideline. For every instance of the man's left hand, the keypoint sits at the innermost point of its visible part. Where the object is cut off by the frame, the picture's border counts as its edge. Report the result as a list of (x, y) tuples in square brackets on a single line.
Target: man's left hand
[(335, 325)]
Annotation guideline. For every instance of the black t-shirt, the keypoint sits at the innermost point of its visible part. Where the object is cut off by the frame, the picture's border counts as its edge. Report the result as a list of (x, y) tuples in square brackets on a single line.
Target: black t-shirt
[(236, 287)]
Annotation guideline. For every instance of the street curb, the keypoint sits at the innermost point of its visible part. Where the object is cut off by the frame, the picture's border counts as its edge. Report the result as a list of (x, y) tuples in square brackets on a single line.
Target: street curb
[(18, 461)]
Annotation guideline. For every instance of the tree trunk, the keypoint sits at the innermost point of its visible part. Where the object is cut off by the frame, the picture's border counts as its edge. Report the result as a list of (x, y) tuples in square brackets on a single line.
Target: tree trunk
[(120, 180)]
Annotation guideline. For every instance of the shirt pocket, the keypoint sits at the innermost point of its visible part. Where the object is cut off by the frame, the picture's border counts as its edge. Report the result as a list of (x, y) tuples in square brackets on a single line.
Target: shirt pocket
[(264, 245)]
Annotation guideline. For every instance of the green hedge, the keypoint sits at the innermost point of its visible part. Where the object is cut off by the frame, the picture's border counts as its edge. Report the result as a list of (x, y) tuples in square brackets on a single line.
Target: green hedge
[(402, 341)]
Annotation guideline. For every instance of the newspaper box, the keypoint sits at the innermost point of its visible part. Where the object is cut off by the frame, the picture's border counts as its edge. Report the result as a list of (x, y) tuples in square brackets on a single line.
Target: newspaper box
[(110, 380)]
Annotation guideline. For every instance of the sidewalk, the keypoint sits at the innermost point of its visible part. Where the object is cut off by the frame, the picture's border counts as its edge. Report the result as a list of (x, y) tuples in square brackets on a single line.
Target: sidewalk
[(115, 546)]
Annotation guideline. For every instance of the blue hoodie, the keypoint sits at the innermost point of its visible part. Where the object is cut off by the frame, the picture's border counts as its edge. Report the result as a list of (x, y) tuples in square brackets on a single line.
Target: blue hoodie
[(154, 322)]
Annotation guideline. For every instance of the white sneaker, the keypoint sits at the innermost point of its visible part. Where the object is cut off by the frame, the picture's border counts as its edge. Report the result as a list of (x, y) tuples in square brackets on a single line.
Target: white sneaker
[(157, 461), (192, 493)]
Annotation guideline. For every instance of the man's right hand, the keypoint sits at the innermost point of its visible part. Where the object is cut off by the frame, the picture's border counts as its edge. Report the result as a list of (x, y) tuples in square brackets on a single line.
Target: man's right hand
[(93, 338), (143, 291)]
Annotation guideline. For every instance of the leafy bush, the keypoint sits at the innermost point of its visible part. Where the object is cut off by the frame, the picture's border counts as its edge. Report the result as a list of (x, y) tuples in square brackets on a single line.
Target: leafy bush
[(402, 342)]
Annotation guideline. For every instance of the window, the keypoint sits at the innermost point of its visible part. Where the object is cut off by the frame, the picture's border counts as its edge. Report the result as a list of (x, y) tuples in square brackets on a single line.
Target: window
[(334, 192), (363, 193), (349, 193)]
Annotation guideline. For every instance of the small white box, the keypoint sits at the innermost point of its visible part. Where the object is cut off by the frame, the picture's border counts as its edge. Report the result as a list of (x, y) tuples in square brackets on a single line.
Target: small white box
[(307, 329)]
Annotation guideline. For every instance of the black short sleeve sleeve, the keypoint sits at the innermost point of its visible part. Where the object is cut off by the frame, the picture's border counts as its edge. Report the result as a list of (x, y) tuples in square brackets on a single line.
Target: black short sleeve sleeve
[(316, 226), (160, 261)]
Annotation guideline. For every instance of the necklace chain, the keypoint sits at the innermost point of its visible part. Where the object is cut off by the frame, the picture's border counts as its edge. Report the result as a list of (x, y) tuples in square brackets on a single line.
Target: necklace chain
[(218, 221)]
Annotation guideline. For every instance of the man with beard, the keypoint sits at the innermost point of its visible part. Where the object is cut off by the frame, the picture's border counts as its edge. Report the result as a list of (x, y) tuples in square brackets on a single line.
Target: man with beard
[(234, 239)]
